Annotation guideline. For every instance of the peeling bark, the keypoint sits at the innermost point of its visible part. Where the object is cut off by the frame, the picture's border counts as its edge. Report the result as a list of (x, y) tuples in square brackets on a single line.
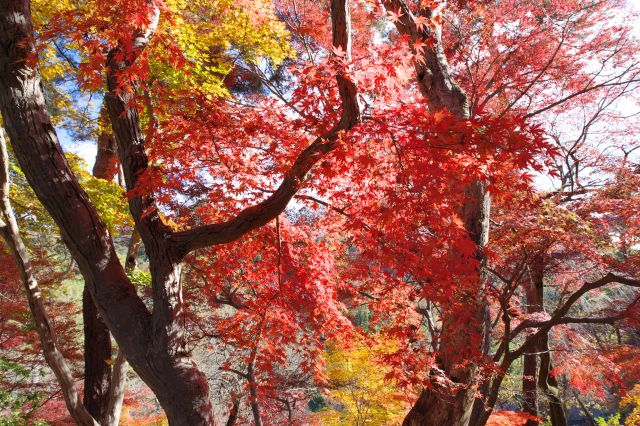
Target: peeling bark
[(106, 164), (135, 242)]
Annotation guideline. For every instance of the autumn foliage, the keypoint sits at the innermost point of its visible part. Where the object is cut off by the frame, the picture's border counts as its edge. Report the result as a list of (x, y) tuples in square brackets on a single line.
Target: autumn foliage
[(351, 212)]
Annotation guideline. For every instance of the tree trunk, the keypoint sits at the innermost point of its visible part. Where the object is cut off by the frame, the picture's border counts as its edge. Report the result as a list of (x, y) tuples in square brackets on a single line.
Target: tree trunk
[(549, 385), (435, 407), (452, 406), (529, 386), (116, 390), (535, 303), (97, 339), (233, 414), (52, 355), (148, 343), (97, 359), (120, 365), (154, 343), (545, 381), (255, 404)]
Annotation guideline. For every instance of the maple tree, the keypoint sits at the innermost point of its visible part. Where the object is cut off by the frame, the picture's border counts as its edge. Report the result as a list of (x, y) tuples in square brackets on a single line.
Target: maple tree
[(358, 387), (292, 165), (185, 398)]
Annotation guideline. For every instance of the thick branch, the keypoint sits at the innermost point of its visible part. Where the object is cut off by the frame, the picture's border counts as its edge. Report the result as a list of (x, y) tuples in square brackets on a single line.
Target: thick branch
[(265, 211), (341, 31), (126, 126), (125, 122), (255, 216)]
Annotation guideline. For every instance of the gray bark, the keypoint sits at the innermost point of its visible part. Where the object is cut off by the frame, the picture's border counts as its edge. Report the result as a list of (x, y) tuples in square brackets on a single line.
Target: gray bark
[(116, 390)]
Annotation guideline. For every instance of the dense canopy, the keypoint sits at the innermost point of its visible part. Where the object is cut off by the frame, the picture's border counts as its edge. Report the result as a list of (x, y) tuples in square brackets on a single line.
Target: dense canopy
[(336, 212)]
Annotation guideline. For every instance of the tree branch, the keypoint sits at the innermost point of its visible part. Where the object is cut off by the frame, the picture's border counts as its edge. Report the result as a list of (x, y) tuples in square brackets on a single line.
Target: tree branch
[(125, 122), (560, 317), (53, 356), (434, 79), (262, 213)]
